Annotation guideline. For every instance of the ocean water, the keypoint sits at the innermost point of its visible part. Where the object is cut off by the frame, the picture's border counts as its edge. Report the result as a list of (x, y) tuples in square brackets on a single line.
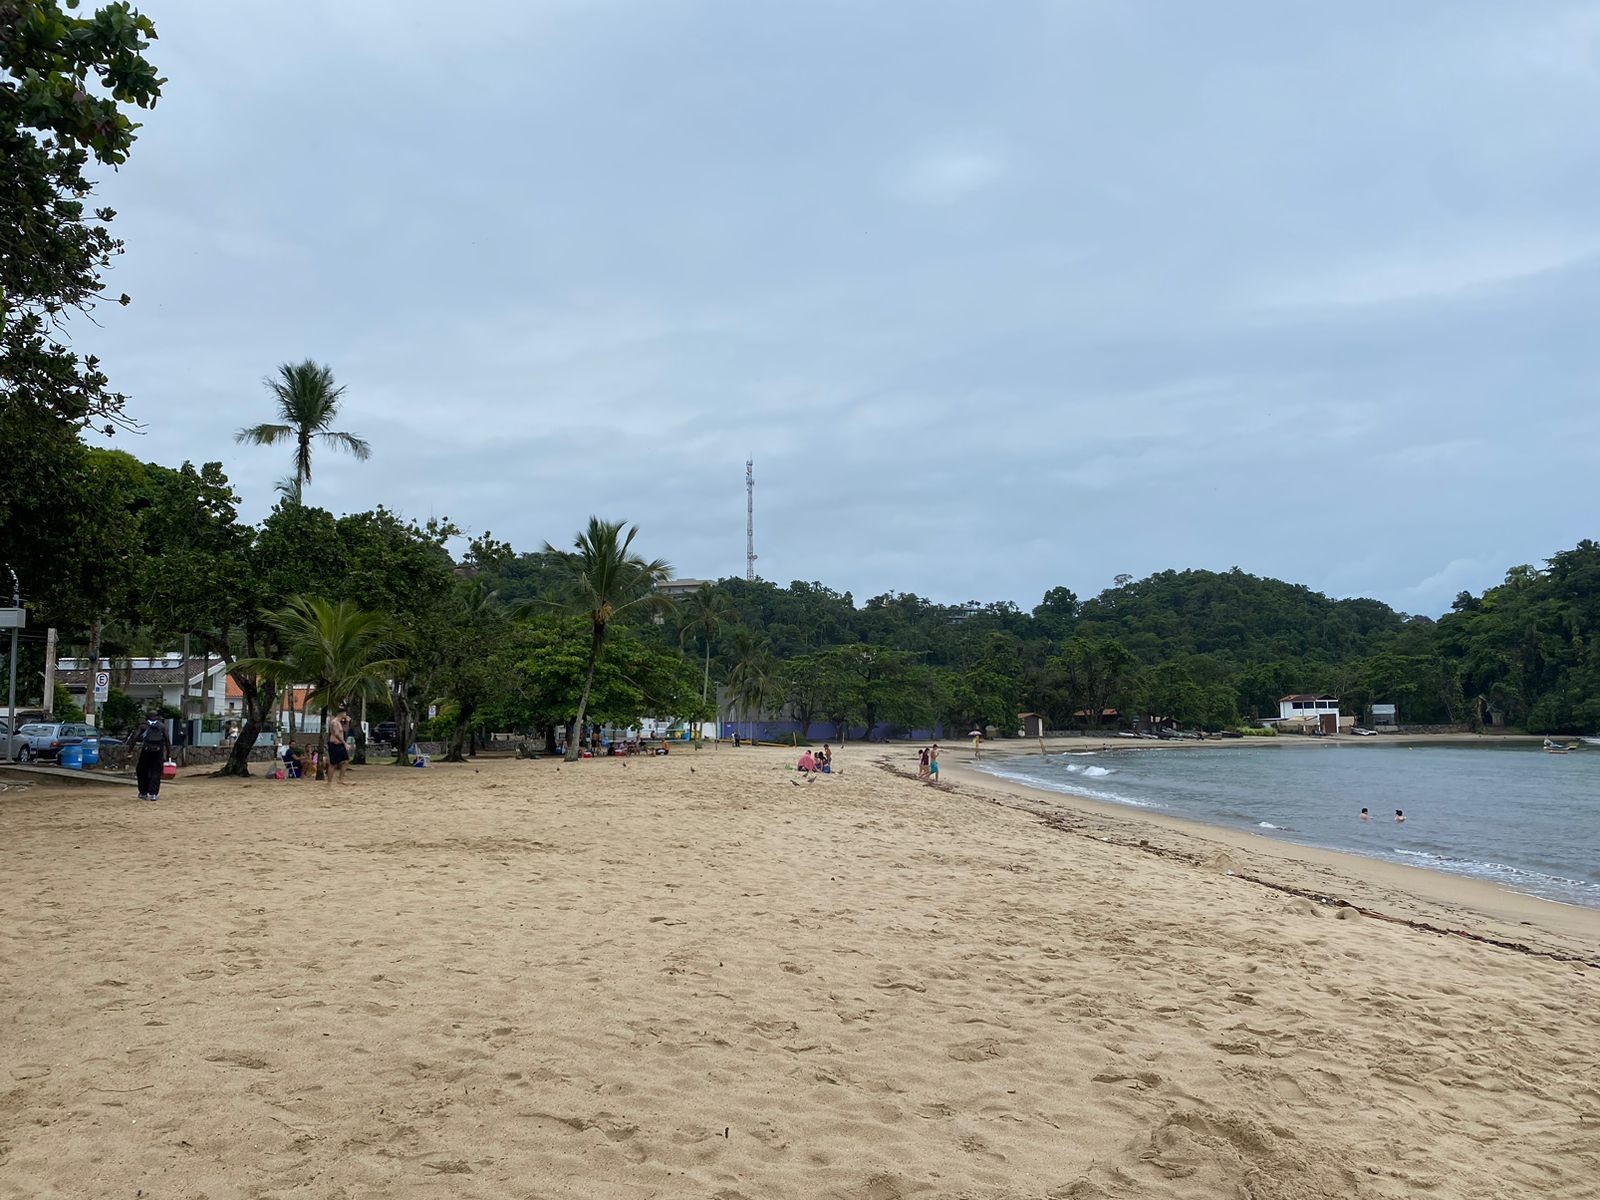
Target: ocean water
[(1516, 816)]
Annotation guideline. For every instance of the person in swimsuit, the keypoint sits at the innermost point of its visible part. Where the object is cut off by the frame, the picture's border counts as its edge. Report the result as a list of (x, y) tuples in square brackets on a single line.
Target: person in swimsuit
[(338, 747), (933, 763)]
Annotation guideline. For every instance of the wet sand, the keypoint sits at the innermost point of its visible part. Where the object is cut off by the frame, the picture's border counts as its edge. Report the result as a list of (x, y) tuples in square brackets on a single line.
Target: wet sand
[(514, 979)]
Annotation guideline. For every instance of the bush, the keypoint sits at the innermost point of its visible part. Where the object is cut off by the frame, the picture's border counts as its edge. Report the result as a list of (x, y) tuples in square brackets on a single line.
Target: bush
[(65, 709), (120, 711), (1258, 731)]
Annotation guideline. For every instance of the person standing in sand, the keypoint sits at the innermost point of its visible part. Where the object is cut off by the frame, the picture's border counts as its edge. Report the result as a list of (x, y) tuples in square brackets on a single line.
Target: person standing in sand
[(338, 746), (152, 743), (933, 763)]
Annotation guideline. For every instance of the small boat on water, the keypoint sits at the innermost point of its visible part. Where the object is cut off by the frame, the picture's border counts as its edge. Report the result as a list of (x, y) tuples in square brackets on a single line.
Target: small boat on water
[(1559, 747)]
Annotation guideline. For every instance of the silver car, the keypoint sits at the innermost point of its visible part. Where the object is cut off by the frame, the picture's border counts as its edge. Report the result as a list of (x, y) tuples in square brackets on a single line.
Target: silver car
[(42, 741)]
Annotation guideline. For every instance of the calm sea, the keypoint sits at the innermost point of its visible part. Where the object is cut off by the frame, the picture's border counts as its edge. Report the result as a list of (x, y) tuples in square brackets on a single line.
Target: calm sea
[(1520, 817)]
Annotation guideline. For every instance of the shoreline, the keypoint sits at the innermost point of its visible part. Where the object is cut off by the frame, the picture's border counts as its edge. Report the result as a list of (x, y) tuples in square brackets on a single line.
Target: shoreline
[(1398, 890)]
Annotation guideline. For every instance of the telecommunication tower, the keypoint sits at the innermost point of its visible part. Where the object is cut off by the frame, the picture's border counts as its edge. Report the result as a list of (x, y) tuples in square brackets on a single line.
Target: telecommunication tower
[(750, 519)]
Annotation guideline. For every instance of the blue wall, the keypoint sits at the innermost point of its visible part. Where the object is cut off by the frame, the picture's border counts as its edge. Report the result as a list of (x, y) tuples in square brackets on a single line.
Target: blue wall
[(824, 731)]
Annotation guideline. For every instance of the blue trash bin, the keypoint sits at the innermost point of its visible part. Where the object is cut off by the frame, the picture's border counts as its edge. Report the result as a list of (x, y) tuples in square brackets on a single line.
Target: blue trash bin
[(91, 752), (71, 757)]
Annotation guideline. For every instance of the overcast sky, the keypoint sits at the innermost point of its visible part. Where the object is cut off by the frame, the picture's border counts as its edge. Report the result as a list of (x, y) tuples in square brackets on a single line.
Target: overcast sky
[(999, 296)]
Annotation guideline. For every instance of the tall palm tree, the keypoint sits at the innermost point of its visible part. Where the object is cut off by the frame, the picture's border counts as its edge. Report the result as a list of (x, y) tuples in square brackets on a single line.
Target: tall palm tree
[(308, 404), (340, 650), (705, 609), (604, 578)]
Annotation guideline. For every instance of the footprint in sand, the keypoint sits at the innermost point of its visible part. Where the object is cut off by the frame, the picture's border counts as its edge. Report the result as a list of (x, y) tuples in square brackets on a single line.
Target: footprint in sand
[(249, 1062)]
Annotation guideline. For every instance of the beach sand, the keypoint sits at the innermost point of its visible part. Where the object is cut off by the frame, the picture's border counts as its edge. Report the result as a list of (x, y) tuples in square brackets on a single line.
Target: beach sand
[(513, 979)]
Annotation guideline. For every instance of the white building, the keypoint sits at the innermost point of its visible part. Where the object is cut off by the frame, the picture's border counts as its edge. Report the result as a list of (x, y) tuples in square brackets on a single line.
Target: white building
[(677, 589), (1312, 712)]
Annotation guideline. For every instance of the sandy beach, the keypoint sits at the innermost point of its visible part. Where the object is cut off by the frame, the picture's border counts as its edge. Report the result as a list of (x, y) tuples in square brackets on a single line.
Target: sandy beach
[(699, 976)]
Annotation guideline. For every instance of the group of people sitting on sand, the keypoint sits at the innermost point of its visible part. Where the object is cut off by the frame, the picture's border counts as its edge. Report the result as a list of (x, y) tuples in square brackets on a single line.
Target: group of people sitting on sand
[(820, 763)]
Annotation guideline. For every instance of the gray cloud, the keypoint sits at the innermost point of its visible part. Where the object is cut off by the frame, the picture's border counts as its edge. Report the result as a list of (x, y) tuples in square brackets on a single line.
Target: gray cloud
[(999, 297)]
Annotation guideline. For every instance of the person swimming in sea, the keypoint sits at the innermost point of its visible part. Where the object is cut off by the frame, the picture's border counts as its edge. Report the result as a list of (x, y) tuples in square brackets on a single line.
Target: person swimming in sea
[(1399, 817), (1365, 815)]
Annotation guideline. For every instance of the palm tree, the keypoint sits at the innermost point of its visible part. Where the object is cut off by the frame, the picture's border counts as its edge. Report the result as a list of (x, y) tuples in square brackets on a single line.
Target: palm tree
[(604, 579), (705, 609), (340, 650), (751, 682), (308, 404)]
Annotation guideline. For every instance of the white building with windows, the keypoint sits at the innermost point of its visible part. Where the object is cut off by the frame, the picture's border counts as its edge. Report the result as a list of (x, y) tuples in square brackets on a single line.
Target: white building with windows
[(1307, 707), (1302, 713)]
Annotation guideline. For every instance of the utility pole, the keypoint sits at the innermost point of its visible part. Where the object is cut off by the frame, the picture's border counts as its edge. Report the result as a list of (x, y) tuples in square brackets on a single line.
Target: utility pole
[(94, 665), (750, 519), (50, 671), (13, 618)]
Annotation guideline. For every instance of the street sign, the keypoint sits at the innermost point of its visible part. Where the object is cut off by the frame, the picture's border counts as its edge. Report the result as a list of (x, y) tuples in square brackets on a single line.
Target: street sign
[(433, 711), (13, 618), (102, 685)]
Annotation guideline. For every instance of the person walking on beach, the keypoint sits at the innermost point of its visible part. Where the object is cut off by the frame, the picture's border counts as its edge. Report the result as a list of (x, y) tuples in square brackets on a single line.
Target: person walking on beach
[(922, 764), (933, 763), (338, 746), (152, 744)]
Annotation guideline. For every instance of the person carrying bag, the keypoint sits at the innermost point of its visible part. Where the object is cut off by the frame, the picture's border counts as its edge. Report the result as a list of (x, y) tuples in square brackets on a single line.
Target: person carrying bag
[(151, 743)]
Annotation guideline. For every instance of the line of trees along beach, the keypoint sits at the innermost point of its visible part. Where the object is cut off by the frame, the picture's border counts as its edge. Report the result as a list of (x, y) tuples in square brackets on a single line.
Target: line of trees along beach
[(373, 605)]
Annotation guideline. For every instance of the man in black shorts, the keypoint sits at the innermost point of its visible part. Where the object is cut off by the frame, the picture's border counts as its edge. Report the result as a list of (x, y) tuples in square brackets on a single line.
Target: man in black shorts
[(338, 747)]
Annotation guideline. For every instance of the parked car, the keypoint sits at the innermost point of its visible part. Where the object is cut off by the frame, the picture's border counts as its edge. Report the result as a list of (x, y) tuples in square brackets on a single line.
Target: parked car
[(8, 743), (42, 741), (384, 731)]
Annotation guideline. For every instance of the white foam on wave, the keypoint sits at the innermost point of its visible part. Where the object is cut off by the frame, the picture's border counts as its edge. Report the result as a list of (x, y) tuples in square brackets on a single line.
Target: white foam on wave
[(1091, 772), (1266, 825), (1517, 878), (1073, 789)]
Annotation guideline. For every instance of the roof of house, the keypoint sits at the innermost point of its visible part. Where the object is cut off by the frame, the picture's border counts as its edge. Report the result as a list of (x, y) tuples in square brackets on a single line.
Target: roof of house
[(1305, 696), (172, 672)]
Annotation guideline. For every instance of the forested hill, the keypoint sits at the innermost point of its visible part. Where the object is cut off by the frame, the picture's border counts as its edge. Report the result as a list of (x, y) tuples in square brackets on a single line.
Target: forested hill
[(1209, 648), (1242, 617)]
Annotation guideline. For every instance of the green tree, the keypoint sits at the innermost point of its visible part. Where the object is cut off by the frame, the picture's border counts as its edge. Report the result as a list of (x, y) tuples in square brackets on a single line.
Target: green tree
[(67, 83), (605, 579), (336, 647), (465, 674), (308, 405), (752, 683), (702, 614)]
